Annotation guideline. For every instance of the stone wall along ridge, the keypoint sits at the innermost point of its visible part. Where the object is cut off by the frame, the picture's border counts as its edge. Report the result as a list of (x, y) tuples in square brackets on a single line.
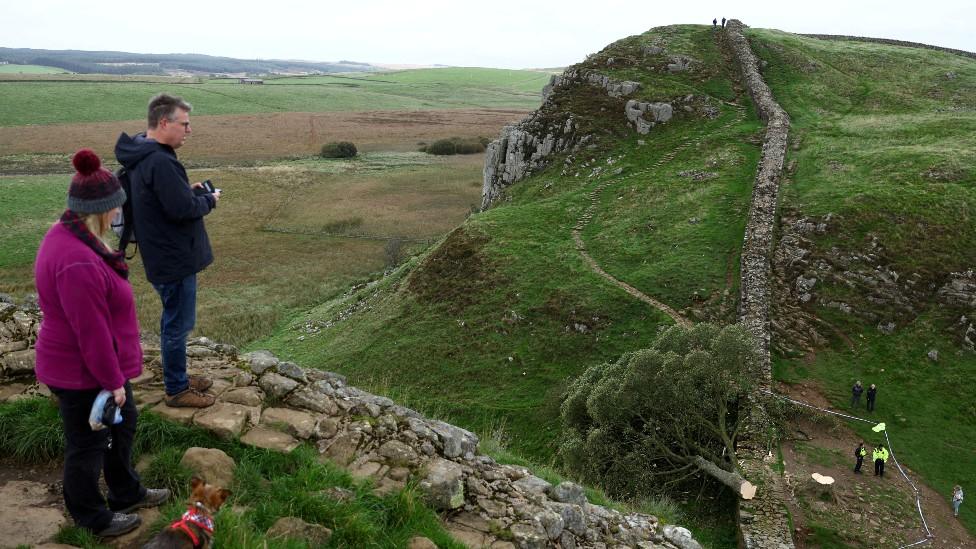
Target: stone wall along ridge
[(757, 245), (278, 405), (763, 521)]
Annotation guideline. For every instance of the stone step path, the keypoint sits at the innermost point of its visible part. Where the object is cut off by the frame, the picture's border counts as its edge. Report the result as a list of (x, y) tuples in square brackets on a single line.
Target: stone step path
[(587, 216)]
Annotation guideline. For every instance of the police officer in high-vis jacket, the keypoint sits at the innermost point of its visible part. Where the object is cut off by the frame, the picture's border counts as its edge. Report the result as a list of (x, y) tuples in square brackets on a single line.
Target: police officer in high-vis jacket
[(880, 455), (859, 453)]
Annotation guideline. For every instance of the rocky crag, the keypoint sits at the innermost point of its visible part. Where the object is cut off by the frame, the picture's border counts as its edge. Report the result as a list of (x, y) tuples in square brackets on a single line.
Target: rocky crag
[(531, 145), (882, 296), (274, 404)]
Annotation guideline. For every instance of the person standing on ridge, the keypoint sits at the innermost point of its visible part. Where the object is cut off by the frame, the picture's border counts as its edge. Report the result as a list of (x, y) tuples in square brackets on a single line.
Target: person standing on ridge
[(723, 22), (168, 216), (856, 391), (88, 348), (859, 453), (872, 394), (714, 23), (880, 456), (956, 499)]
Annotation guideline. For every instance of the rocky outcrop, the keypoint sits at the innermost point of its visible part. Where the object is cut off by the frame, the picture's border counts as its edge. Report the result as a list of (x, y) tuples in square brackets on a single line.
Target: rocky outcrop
[(529, 146), (959, 292), (18, 332), (645, 115), (518, 152), (763, 521), (485, 503), (614, 88)]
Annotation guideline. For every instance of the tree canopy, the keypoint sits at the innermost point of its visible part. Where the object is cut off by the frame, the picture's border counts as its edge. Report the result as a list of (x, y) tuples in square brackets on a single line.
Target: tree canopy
[(663, 415)]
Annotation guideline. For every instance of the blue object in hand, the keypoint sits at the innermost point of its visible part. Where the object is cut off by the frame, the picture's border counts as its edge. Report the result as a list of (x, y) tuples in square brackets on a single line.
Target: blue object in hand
[(104, 411)]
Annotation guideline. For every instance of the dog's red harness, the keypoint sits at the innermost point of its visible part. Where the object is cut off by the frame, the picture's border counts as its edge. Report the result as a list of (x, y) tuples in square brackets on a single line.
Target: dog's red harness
[(191, 516)]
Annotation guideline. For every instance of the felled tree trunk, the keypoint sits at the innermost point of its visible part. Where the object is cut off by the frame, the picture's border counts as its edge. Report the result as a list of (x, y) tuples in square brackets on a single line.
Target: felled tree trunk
[(743, 487)]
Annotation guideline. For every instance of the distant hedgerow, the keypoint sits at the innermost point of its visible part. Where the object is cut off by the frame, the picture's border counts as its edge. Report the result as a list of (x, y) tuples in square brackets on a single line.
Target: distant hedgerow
[(456, 145), (338, 149)]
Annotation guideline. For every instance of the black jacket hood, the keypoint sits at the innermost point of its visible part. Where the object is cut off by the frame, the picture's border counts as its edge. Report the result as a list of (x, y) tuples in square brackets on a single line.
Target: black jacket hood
[(130, 150)]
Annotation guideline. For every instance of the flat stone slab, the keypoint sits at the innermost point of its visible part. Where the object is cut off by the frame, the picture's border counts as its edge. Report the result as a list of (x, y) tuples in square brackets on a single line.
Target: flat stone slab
[(219, 386), (7, 391), (146, 376), (224, 419), (293, 422), (25, 516), (148, 398), (269, 439), (19, 362), (183, 416), (248, 396)]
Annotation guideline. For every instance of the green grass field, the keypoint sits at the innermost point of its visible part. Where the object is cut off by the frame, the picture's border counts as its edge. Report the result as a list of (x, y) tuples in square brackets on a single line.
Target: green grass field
[(73, 101), (30, 69)]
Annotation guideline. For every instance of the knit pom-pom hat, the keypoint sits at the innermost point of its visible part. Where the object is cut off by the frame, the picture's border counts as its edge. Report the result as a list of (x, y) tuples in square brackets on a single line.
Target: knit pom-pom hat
[(93, 188)]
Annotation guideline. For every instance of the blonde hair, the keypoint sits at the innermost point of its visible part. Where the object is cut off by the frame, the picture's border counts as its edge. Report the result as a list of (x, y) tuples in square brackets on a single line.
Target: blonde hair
[(100, 225)]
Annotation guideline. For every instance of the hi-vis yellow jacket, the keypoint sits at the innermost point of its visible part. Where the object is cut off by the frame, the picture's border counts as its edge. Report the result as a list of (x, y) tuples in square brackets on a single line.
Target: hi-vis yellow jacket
[(881, 454)]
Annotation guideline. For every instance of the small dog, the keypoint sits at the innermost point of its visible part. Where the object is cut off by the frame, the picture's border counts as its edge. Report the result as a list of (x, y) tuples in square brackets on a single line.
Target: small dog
[(194, 530)]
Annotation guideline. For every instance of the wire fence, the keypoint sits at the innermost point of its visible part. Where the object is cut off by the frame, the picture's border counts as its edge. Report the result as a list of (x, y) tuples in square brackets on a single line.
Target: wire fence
[(918, 499)]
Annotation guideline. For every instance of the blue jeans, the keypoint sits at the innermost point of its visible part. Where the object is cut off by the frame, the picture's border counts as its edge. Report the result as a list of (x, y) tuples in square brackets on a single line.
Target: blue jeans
[(179, 315)]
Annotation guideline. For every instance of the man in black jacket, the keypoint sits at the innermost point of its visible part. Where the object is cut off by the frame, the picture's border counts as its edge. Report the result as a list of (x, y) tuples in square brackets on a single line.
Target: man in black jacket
[(168, 217)]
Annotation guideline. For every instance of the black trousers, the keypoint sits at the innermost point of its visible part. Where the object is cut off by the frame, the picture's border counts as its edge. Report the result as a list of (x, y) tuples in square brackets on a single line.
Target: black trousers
[(860, 461), (87, 454), (870, 404), (879, 467)]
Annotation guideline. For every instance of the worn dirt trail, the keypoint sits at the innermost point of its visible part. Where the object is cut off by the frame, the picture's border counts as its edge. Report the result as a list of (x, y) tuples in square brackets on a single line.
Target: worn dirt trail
[(591, 209)]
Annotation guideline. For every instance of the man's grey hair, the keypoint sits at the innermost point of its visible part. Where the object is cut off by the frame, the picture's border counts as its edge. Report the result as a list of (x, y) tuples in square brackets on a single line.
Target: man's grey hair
[(165, 106)]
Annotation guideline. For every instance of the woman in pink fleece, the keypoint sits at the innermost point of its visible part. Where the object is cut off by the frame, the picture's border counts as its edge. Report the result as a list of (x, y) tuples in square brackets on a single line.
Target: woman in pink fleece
[(89, 341)]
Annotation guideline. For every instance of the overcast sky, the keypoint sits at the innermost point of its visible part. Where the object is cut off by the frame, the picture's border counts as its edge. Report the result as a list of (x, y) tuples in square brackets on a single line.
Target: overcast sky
[(494, 33)]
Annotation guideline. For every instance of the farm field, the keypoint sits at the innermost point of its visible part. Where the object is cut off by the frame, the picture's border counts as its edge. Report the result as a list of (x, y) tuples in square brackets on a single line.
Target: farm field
[(259, 275), (252, 139), (72, 100), (292, 229), (30, 69)]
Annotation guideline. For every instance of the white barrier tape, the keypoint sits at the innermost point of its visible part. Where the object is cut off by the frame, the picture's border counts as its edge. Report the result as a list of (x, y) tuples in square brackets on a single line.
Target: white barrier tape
[(918, 501)]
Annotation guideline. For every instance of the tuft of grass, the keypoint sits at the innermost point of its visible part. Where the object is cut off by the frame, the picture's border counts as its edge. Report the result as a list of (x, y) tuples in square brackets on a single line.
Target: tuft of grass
[(30, 431)]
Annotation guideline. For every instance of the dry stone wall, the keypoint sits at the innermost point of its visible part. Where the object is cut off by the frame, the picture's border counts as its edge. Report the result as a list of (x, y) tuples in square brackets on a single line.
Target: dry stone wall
[(275, 404), (763, 521)]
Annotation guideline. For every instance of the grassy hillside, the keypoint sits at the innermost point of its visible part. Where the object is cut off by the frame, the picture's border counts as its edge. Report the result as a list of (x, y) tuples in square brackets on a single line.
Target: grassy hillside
[(885, 146), (487, 327), (72, 100)]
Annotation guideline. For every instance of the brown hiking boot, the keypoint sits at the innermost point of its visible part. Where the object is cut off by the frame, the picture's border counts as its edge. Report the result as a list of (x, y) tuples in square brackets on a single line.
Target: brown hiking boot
[(200, 383), (190, 398)]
